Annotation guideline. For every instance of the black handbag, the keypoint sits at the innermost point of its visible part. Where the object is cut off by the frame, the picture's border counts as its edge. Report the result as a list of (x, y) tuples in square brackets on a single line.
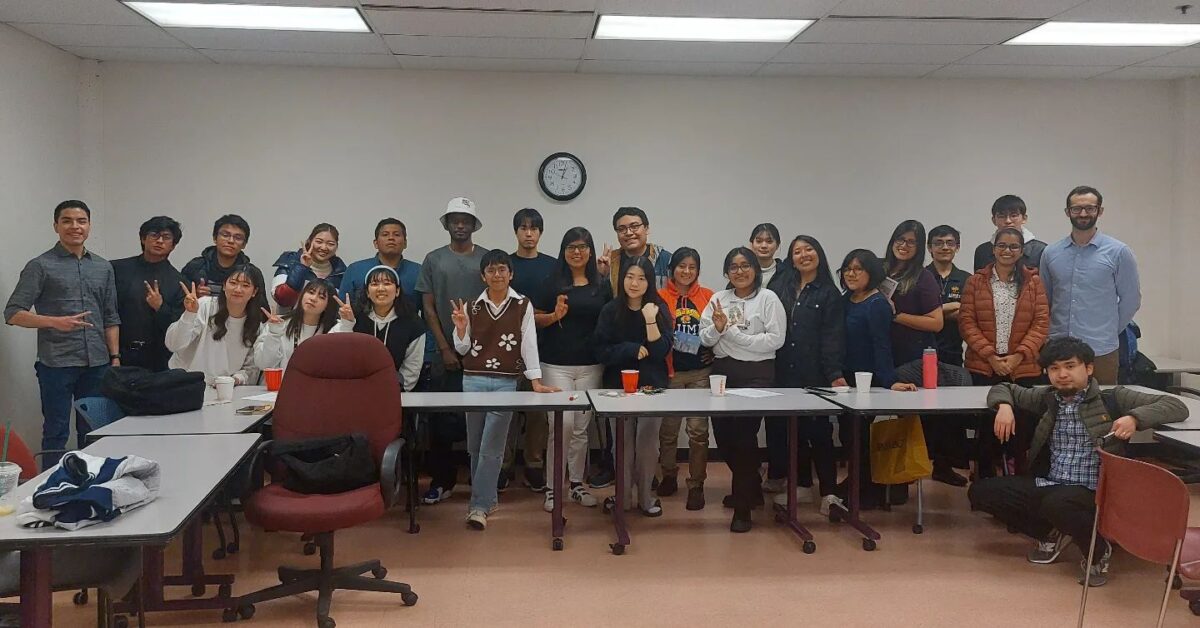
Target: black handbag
[(143, 392), (323, 466)]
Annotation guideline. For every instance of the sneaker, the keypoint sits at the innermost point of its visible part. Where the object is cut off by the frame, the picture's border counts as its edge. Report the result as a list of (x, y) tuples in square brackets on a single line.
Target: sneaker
[(548, 502), (803, 496), (502, 482), (581, 496), (535, 479), (601, 479), (829, 501), (1099, 575), (695, 498), (669, 486), (655, 509), (1048, 551), (436, 494), (477, 520), (777, 485)]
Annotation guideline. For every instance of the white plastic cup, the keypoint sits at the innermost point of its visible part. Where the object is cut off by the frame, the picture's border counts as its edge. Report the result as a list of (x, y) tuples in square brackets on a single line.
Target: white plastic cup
[(716, 385), (10, 472), (224, 386), (862, 381)]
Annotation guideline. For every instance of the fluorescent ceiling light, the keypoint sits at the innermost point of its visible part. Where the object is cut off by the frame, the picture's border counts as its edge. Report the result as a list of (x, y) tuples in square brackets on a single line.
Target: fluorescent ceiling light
[(1108, 34), (698, 28), (252, 16)]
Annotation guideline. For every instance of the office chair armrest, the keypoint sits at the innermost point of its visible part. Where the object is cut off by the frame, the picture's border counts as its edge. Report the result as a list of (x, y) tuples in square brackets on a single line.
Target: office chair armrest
[(262, 452), (390, 473), (1183, 390)]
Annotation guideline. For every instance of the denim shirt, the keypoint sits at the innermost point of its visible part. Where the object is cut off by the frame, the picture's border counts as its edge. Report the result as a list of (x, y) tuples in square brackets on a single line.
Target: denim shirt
[(1093, 290)]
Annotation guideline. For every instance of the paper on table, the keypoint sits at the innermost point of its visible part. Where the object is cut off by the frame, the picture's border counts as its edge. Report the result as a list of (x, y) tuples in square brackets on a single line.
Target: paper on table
[(752, 393), (268, 397)]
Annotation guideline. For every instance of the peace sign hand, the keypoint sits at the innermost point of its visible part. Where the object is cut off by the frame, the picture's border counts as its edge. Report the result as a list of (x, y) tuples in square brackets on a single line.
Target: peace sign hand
[(191, 302), (73, 322), (345, 312), (153, 295), (458, 315), (602, 261), (272, 317), (306, 254), (720, 320)]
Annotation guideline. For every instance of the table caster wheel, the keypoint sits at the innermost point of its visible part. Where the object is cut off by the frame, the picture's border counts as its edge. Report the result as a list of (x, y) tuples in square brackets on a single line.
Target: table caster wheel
[(310, 549), (556, 545), (918, 528), (81, 598), (868, 545), (120, 621), (246, 612), (608, 506), (1194, 606), (218, 553), (197, 590), (224, 590), (810, 547), (326, 622), (409, 598), (379, 573), (229, 615), (617, 549)]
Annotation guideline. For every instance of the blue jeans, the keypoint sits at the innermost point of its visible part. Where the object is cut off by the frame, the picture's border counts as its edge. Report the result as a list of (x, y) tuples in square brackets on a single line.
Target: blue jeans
[(60, 386), (486, 436)]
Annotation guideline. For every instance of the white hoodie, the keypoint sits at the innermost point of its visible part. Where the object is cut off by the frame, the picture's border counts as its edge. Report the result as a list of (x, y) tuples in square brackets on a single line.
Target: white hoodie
[(757, 326), (273, 348), (191, 341)]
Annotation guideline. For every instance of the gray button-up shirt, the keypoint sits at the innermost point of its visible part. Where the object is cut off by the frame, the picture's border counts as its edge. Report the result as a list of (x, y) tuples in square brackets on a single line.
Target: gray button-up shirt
[(56, 283)]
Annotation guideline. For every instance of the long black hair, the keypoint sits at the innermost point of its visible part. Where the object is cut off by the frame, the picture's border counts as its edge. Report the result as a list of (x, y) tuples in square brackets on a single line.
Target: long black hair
[(906, 276), (362, 303), (1018, 272), (254, 308), (566, 278), (791, 278), (751, 258), (651, 296), (329, 317)]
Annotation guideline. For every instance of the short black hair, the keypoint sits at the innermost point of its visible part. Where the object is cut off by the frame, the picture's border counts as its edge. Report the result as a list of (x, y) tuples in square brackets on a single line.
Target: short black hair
[(233, 220), (528, 215), (942, 231), (630, 211), (767, 227), (681, 254), (869, 262), (750, 257), (390, 221), (1066, 348), (159, 224), (65, 205), (1007, 203), (1085, 189), (495, 257)]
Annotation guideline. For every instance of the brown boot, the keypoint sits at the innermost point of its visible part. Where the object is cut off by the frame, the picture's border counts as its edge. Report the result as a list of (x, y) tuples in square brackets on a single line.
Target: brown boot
[(695, 498)]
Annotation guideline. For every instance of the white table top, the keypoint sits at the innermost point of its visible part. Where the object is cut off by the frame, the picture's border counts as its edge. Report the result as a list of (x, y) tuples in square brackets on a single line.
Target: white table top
[(932, 401), (699, 402), (215, 419), (1192, 423), (1187, 439), (503, 401), (1173, 365), (192, 469)]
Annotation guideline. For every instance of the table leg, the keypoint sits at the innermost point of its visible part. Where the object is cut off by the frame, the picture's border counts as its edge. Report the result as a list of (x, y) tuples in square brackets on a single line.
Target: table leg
[(36, 602), (789, 517), (870, 536), (619, 473), (557, 523)]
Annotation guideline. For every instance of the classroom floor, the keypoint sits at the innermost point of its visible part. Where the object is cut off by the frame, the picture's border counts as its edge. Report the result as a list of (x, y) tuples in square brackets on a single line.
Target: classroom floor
[(686, 569)]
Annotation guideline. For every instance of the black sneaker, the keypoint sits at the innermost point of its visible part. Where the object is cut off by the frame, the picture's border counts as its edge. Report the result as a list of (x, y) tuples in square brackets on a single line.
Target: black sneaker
[(535, 479), (601, 479), (1048, 551), (668, 486), (1099, 575), (502, 482), (741, 521)]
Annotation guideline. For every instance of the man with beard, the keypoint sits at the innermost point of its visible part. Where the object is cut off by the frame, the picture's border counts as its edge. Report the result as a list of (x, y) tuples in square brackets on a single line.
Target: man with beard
[(1092, 282), (149, 295)]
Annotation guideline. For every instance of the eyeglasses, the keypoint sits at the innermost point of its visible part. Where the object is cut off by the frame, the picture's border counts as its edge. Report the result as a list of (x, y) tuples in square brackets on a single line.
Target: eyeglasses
[(1078, 210), (852, 271), (1015, 248), (578, 248), (945, 244), (905, 242), (231, 237), (1012, 215), (630, 228), (739, 268), (496, 271), (161, 236)]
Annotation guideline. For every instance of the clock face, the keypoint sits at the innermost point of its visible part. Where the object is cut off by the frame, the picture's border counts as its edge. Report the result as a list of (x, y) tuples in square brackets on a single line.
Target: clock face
[(562, 176)]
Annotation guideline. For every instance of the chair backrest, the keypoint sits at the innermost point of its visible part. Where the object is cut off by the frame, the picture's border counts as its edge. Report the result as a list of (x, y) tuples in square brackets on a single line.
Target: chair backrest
[(20, 454), (1143, 508), (339, 384), (98, 411)]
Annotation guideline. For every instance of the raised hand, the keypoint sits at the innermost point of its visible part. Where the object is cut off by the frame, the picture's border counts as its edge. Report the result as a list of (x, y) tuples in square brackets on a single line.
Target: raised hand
[(602, 260), (560, 307), (153, 296), (458, 314), (204, 290), (71, 323), (345, 312), (650, 312), (720, 319), (272, 317), (306, 254), (191, 298)]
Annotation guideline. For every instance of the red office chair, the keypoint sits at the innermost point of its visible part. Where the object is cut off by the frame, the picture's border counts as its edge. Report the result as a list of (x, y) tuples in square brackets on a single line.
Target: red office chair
[(335, 384), (1144, 509), (20, 454)]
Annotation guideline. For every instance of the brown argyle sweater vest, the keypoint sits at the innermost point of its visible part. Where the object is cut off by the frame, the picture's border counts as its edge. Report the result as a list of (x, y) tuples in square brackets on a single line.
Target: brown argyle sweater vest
[(496, 340)]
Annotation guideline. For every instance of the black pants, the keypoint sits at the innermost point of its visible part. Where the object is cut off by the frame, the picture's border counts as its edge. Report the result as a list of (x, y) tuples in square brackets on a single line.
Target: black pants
[(445, 429), (814, 446), (988, 447), (737, 436), (945, 435), (1033, 510)]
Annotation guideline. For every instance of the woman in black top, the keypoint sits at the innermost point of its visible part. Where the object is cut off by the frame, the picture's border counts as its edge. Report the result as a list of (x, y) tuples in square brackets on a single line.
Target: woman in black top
[(634, 332), (812, 355), (381, 310)]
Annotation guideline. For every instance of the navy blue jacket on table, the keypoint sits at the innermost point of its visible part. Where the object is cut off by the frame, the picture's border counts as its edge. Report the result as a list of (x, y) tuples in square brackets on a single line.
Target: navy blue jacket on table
[(815, 349), (869, 340), (619, 336), (294, 275)]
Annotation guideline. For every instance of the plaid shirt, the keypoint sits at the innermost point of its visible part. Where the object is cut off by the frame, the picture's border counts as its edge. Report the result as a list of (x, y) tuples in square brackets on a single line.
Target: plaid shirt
[(1073, 457)]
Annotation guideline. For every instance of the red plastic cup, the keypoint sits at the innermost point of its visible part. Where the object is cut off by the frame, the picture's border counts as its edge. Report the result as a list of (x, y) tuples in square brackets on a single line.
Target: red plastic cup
[(629, 380), (274, 378)]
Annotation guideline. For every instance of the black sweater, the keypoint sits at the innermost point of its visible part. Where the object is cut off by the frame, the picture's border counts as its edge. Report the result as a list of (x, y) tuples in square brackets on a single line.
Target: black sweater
[(618, 338), (396, 335), (142, 328), (814, 352)]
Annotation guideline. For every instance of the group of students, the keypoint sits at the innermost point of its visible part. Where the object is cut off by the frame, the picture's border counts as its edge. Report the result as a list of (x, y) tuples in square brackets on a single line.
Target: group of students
[(471, 319)]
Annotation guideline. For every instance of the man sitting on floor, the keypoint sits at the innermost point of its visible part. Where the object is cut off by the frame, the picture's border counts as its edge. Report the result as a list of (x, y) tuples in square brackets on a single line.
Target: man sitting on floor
[(1057, 501)]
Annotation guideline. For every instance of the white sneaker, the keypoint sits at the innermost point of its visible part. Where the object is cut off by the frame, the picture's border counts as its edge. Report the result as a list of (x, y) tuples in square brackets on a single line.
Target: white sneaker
[(774, 486), (548, 502), (829, 501), (477, 520), (581, 496), (803, 496)]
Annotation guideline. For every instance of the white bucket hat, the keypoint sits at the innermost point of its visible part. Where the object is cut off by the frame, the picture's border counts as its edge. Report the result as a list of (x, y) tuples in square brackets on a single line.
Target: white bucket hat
[(461, 205)]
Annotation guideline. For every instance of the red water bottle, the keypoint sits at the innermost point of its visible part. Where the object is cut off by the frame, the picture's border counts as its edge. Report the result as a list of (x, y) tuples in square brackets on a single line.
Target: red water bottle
[(929, 370)]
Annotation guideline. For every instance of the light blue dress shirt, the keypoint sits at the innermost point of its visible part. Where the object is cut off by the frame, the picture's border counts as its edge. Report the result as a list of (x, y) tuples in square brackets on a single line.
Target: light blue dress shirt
[(1093, 289)]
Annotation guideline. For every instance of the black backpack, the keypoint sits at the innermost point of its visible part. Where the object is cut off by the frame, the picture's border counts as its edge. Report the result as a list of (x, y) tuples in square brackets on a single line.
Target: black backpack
[(324, 466), (141, 391)]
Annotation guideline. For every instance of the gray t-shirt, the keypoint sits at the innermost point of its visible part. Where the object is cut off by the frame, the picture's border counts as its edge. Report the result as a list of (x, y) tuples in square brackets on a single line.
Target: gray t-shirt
[(450, 276)]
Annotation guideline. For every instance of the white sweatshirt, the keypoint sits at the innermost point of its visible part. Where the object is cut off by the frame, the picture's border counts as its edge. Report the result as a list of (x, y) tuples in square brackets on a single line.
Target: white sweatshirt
[(757, 326), (190, 339), (273, 348)]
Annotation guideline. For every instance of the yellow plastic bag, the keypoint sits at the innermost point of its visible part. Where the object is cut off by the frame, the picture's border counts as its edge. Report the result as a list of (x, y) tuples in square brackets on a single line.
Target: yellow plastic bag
[(898, 453)]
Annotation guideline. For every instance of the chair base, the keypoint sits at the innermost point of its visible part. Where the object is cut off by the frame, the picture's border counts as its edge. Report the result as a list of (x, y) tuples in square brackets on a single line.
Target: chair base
[(324, 580)]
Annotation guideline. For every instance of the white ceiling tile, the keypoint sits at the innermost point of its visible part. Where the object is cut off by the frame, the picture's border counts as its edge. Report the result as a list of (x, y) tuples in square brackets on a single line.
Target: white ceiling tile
[(805, 9), (862, 31), (1149, 72), (873, 53), (1130, 11), (848, 69), (688, 51), (1064, 55), (409, 62), (1028, 9), (618, 66), (1185, 57), (280, 41), (321, 59), (480, 23), (145, 55), (502, 47), (101, 35), (70, 12), (492, 5), (1021, 71)]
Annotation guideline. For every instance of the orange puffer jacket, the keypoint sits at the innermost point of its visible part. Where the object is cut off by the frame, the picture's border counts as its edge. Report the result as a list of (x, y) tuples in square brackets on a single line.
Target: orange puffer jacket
[(977, 323)]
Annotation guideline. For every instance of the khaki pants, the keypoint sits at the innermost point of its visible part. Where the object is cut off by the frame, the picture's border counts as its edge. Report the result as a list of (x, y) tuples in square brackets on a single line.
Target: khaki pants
[(697, 432), (1106, 367), (537, 432)]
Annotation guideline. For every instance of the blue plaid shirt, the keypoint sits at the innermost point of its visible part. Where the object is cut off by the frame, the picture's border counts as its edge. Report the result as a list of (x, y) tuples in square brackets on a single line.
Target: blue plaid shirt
[(1073, 457)]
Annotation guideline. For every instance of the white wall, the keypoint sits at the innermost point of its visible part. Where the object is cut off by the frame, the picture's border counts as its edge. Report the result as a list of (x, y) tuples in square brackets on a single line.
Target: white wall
[(39, 139)]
